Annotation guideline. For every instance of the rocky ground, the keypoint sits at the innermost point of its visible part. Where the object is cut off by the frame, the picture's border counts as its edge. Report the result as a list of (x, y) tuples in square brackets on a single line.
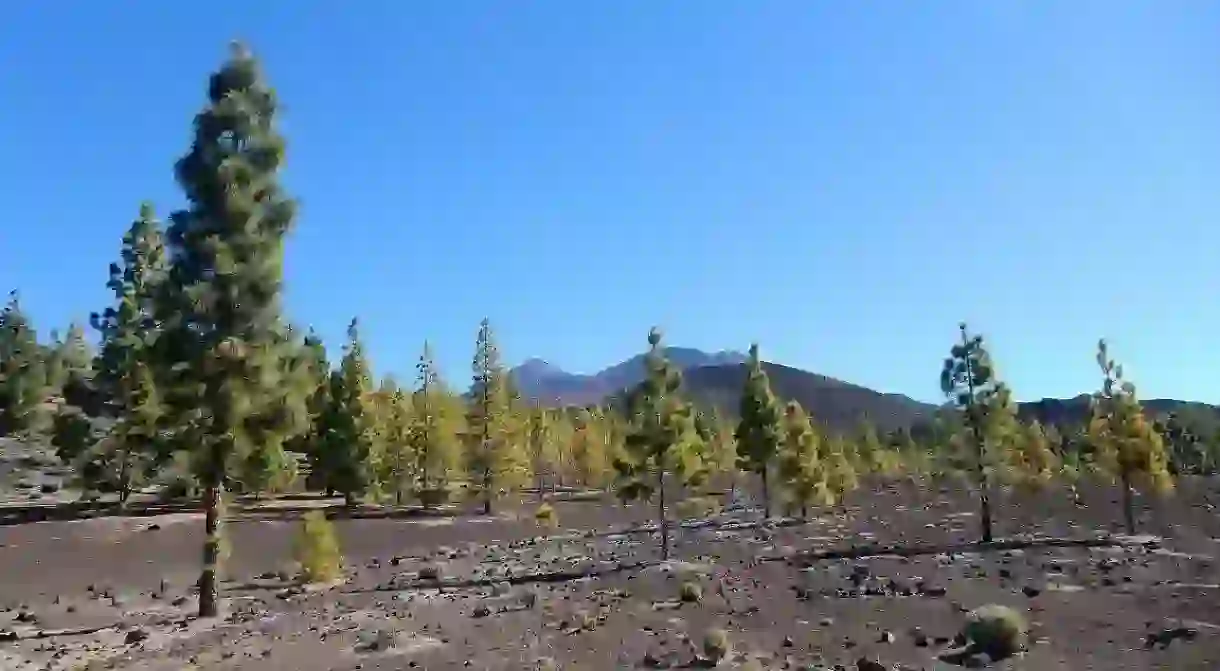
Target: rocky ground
[(466, 592)]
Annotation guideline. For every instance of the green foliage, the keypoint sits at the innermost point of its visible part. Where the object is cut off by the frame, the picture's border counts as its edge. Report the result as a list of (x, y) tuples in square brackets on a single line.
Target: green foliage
[(494, 462), (316, 550), (716, 645), (662, 439), (434, 434), (542, 446), (690, 592), (546, 516), (591, 457), (759, 432), (1125, 443), (999, 631), (225, 338), (803, 475), (869, 450), (1033, 461), (841, 478), (22, 370), (697, 507), (349, 438), (315, 374), (68, 361), (968, 380)]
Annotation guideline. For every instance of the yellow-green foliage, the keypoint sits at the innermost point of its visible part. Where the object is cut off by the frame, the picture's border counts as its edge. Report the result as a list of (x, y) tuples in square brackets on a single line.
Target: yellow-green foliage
[(697, 507), (1032, 461), (546, 516), (803, 474), (716, 645), (590, 453), (840, 475), (317, 549), (996, 630), (690, 592), (1125, 442)]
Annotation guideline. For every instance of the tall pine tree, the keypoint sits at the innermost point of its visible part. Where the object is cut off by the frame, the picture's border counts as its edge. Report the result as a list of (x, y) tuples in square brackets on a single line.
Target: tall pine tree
[(802, 474), (494, 462), (661, 440), (1125, 442), (349, 423), (434, 438), (968, 380), (22, 370), (126, 378), (226, 336), (760, 431)]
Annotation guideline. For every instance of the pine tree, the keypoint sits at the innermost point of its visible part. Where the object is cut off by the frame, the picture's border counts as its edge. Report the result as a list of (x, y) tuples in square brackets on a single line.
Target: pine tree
[(226, 339), (836, 455), (22, 370), (869, 449), (316, 375), (661, 440), (434, 438), (721, 451), (1126, 443), (802, 474), (968, 380), (493, 460), (540, 441), (396, 473), (1035, 461), (759, 433), (350, 423), (69, 361), (590, 457), (127, 362)]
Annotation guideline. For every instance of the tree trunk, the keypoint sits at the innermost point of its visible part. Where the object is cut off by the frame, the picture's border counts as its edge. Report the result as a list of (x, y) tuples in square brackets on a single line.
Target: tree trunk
[(766, 494), (662, 524), (1128, 503), (487, 491), (213, 528), (981, 469)]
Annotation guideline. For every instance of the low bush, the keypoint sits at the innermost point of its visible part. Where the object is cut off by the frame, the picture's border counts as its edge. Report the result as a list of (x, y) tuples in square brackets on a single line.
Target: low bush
[(317, 549), (996, 630)]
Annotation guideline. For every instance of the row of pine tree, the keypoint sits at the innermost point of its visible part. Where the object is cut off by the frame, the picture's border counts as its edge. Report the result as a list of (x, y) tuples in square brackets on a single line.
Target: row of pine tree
[(201, 386)]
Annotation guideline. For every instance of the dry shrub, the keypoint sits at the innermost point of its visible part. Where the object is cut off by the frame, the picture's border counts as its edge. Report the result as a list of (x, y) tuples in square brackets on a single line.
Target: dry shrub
[(996, 630), (317, 549)]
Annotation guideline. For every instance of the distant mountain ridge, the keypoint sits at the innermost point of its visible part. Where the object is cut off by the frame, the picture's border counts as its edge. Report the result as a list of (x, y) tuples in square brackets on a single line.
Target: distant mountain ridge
[(547, 384), (716, 379)]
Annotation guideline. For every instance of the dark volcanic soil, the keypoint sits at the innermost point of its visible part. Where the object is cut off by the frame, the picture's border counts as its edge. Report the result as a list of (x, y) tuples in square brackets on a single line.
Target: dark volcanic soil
[(1088, 608)]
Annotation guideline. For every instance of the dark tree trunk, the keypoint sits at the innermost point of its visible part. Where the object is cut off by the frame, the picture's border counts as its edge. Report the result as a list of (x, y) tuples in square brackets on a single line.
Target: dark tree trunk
[(209, 605)]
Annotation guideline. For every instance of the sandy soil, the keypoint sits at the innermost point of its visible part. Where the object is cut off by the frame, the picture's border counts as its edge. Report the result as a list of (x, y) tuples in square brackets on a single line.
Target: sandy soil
[(1089, 608)]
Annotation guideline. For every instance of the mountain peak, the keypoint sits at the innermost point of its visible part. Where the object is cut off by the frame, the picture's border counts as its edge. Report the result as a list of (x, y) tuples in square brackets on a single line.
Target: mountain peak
[(536, 366)]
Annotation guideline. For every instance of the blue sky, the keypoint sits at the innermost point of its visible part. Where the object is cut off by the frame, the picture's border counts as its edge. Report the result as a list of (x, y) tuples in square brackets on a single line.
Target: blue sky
[(843, 182)]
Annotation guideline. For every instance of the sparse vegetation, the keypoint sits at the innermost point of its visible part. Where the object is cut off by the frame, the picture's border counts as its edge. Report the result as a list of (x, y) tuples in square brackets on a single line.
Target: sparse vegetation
[(999, 631), (716, 646), (317, 550)]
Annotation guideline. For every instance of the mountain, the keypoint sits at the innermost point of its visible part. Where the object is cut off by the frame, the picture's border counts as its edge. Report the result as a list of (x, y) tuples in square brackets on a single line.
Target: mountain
[(834, 403), (546, 384), (1202, 418), (717, 379)]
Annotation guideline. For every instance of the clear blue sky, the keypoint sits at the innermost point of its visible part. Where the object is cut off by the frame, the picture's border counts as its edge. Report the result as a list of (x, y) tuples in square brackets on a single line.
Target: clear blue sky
[(843, 181)]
